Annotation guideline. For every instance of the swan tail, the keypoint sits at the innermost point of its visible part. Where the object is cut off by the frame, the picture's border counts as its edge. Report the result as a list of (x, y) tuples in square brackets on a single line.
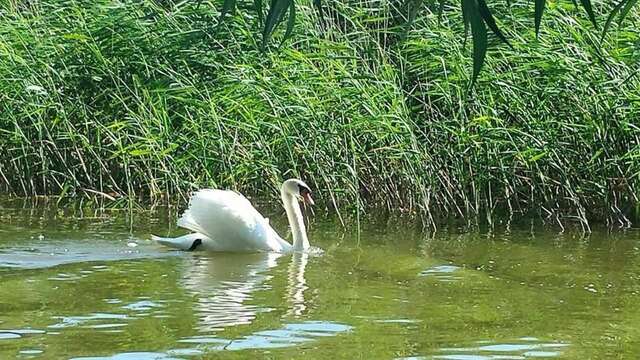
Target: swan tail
[(188, 242)]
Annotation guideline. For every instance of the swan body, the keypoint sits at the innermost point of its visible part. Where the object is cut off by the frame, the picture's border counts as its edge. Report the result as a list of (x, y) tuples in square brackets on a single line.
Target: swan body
[(225, 221)]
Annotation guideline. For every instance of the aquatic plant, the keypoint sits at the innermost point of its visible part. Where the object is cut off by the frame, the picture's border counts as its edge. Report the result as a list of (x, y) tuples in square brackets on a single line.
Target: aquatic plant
[(135, 103)]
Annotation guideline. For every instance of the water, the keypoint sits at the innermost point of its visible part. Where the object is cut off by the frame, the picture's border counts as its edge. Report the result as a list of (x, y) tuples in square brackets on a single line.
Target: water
[(91, 286)]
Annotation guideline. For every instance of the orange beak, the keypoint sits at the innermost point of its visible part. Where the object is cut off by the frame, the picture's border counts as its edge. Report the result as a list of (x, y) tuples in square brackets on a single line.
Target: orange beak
[(307, 198)]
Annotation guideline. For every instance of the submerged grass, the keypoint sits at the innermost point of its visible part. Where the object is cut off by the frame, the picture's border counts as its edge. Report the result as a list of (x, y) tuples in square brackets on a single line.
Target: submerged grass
[(144, 101)]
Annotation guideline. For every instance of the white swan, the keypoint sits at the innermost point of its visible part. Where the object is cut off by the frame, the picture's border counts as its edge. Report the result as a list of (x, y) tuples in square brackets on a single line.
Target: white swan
[(226, 221)]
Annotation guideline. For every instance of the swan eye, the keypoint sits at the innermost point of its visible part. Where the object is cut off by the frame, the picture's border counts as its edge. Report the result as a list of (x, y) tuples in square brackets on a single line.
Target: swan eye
[(303, 190)]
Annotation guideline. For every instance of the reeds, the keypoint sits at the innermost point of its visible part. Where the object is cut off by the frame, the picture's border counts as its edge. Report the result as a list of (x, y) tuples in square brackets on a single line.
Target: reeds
[(143, 102)]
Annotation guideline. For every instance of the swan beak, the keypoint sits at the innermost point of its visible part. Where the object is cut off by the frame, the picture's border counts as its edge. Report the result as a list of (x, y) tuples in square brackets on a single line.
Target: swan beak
[(307, 198)]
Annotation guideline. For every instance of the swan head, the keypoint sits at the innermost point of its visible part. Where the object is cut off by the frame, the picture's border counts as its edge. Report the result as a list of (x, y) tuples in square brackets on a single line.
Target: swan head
[(298, 189)]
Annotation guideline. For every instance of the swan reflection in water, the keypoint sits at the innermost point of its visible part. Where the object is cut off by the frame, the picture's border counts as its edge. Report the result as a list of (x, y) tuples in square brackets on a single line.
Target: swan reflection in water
[(223, 286), (297, 284)]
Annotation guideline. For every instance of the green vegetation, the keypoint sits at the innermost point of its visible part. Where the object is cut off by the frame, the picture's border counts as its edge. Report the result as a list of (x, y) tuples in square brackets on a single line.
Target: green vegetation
[(146, 101)]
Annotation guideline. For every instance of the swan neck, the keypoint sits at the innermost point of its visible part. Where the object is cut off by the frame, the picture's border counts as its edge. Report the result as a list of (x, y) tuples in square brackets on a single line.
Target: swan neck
[(296, 221)]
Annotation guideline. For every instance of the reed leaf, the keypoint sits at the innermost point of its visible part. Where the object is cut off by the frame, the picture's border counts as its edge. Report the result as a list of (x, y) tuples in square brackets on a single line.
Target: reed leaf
[(479, 37), (228, 7), (290, 22), (274, 17), (539, 10), (486, 15), (623, 14), (612, 15), (589, 9), (257, 4)]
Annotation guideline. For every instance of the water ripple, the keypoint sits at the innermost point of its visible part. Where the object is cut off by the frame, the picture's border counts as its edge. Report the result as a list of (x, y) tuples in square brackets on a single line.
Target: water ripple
[(45, 254), (289, 335), (132, 356), (443, 273), (70, 321), (143, 305), (18, 333), (522, 348)]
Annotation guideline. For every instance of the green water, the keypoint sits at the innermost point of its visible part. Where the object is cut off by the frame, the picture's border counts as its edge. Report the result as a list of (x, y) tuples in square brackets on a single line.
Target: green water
[(77, 285)]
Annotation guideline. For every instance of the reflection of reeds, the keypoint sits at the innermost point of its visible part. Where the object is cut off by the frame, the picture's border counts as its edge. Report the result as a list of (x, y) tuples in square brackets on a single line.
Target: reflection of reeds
[(146, 101)]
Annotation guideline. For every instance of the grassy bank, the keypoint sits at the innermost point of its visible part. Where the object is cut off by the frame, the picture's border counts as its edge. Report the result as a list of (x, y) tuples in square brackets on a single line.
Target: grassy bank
[(148, 101)]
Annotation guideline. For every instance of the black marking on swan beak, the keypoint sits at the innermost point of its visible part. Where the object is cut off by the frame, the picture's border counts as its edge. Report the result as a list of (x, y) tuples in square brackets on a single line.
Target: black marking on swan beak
[(305, 193), (196, 243)]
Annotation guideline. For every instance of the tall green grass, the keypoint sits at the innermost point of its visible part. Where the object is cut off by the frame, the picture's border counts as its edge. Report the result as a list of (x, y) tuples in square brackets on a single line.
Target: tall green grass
[(143, 102)]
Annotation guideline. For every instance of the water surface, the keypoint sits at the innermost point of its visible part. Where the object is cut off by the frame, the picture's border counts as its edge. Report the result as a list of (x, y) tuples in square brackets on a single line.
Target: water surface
[(78, 285)]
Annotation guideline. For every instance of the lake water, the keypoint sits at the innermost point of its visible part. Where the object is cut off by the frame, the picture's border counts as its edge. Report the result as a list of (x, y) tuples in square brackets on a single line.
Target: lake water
[(83, 285)]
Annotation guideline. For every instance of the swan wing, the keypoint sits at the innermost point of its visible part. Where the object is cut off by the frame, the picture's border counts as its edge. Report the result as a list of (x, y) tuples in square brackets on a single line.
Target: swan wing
[(231, 222), (187, 242)]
